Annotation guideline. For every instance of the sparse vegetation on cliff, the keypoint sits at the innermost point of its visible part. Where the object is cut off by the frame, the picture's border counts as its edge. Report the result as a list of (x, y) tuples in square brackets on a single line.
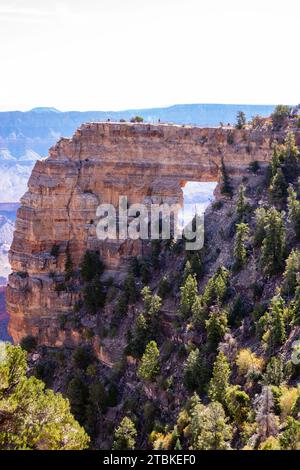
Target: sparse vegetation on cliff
[(241, 120), (280, 115), (32, 417), (195, 350), (226, 187), (137, 119)]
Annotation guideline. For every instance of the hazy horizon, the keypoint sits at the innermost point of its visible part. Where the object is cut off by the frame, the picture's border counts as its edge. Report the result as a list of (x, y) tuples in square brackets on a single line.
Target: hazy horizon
[(107, 110)]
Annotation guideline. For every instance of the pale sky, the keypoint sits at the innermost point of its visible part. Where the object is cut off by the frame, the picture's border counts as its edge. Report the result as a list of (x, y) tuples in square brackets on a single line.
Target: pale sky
[(118, 54)]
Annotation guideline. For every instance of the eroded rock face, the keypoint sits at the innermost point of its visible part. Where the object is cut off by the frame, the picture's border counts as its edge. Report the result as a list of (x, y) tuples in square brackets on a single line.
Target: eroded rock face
[(98, 164)]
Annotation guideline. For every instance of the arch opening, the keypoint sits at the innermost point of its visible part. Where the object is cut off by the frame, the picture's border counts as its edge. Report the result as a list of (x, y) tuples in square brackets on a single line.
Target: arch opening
[(197, 195)]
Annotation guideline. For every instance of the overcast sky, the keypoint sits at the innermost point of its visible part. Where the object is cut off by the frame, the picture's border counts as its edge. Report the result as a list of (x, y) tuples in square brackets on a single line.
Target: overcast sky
[(117, 54)]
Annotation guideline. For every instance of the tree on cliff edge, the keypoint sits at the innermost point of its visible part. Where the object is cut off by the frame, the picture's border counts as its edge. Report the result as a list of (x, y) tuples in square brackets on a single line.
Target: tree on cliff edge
[(226, 187), (32, 417), (240, 120)]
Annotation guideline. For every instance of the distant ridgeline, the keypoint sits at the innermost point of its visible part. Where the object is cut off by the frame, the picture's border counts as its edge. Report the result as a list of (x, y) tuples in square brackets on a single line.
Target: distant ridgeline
[(27, 136), (40, 128)]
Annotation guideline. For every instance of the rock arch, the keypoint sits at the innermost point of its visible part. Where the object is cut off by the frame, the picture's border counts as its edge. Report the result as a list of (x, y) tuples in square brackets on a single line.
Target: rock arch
[(99, 163)]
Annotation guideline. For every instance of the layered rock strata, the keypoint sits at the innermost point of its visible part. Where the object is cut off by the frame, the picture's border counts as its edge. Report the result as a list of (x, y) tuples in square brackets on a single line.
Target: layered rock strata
[(98, 164)]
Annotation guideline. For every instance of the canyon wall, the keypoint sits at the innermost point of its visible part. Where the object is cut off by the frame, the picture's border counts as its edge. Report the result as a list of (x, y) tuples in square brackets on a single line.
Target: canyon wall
[(100, 162)]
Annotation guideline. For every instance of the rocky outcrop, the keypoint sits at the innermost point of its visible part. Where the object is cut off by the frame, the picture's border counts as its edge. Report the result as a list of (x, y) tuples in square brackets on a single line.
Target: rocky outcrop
[(100, 162)]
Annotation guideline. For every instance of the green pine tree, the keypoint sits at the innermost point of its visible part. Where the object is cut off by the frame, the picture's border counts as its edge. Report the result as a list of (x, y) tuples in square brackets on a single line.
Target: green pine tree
[(280, 115), (294, 211), (240, 120), (273, 246), (209, 428), (290, 438), (164, 287), (237, 403), (125, 435), (291, 154), (275, 329), (197, 370), (91, 267), (130, 289), (220, 379), (189, 292), (226, 187), (260, 226), (241, 205), (152, 303), (240, 250), (177, 445), (292, 270), (274, 372), (198, 311), (216, 327), (140, 337), (32, 417), (187, 270), (149, 367), (295, 305), (278, 188), (216, 288)]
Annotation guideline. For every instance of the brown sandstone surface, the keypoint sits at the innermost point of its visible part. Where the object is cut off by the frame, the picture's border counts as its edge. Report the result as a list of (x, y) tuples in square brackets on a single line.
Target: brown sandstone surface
[(100, 162)]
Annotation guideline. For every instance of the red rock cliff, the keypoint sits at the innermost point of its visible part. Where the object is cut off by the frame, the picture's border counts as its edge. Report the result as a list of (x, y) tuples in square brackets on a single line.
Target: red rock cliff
[(99, 163)]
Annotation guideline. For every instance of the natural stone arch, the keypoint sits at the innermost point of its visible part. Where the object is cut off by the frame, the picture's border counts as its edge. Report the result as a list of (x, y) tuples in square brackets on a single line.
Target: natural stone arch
[(99, 163)]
